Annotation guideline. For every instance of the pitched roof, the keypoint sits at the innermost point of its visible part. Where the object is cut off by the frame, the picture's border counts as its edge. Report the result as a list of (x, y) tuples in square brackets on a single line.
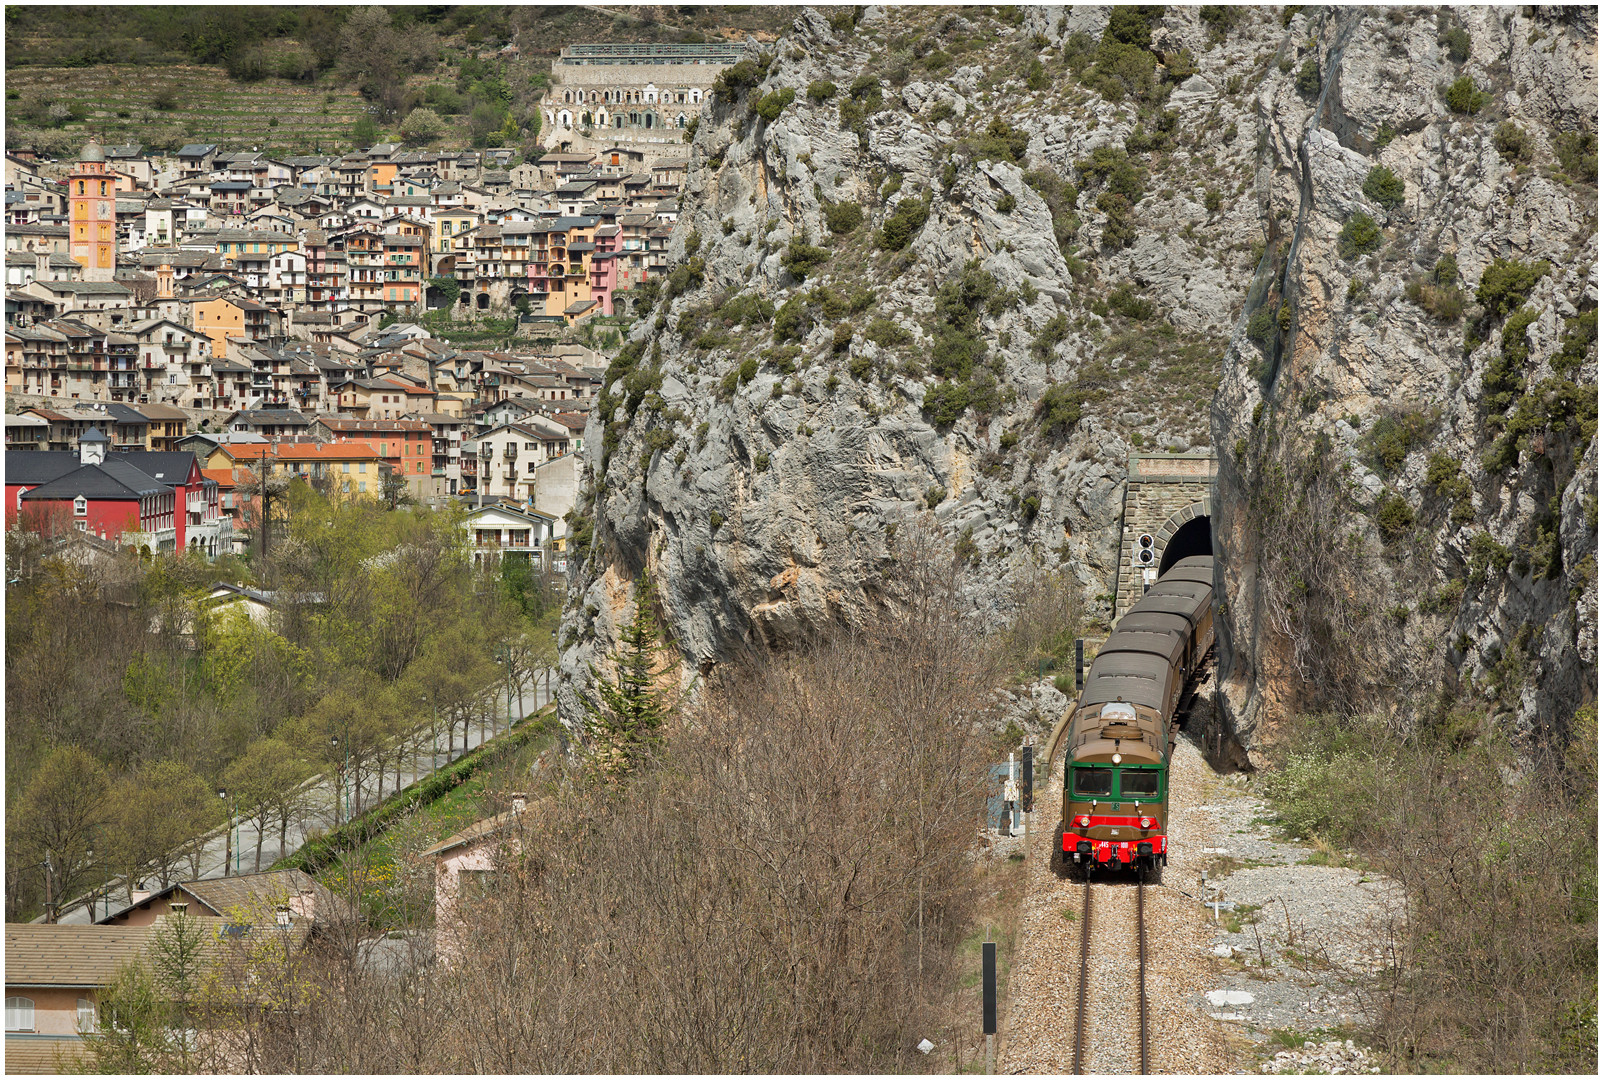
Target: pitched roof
[(226, 893), (68, 954), (158, 411), (39, 466), (113, 478), (345, 424), (479, 829), (83, 288), (45, 1054), (268, 416), (168, 466), (342, 451)]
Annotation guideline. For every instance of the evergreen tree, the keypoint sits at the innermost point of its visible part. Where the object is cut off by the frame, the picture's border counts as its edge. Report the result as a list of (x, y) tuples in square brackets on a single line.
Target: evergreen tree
[(624, 724)]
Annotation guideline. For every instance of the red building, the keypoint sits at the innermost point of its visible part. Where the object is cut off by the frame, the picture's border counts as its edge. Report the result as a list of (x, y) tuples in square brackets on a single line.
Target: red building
[(157, 500)]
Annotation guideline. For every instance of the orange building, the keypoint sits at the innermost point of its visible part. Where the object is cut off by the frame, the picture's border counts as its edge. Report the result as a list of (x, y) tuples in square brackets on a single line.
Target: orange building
[(219, 319), (406, 446), (92, 196)]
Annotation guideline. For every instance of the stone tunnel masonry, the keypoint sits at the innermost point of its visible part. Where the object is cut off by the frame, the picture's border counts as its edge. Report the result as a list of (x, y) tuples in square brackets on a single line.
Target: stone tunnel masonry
[(1170, 497)]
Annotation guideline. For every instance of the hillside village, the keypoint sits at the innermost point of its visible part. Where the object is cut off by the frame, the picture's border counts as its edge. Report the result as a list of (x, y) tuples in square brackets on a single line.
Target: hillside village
[(295, 314)]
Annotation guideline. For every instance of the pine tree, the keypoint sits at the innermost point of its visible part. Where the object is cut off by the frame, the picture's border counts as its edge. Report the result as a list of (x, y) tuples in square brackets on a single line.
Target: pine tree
[(625, 722)]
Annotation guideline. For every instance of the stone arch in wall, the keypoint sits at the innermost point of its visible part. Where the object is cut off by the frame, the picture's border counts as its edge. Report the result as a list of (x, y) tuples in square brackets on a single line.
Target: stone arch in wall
[(695, 95), (651, 94), (1189, 531), (567, 97), (681, 121), (651, 120), (617, 120), (565, 118), (603, 119), (484, 301)]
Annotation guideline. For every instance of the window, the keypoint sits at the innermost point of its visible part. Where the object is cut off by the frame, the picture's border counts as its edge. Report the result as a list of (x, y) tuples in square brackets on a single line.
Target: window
[(346, 467), (1133, 782), (86, 1016), (1093, 781), (80, 507), (361, 486), (19, 1014), (345, 487), (361, 467), (471, 884)]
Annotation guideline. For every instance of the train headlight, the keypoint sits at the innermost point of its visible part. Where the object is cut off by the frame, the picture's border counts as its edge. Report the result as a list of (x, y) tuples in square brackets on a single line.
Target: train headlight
[(1085, 820), (1117, 758), (1146, 823)]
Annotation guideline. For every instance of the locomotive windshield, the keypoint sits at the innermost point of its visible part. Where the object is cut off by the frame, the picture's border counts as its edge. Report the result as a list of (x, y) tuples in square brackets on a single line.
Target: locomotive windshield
[(1093, 781), (1138, 781)]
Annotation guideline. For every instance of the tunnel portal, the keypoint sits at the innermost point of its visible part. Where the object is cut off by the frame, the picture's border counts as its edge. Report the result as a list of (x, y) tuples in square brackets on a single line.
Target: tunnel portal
[(1168, 510), (1195, 537)]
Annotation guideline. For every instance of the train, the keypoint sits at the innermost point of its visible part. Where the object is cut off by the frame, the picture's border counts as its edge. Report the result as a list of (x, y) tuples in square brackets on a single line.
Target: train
[(1122, 729)]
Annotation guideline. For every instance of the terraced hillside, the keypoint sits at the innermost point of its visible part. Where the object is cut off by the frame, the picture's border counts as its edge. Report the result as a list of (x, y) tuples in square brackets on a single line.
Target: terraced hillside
[(194, 103)]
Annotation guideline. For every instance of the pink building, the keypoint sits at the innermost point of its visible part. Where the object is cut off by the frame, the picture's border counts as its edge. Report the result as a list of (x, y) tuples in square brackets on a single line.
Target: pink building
[(467, 870), (604, 266)]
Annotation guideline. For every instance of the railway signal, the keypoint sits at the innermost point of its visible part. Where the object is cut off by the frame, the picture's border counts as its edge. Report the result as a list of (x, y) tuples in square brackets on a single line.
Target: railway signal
[(1029, 779)]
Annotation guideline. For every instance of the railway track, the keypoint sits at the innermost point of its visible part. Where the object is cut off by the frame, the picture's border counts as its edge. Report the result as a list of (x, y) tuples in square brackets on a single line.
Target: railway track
[(1100, 1021)]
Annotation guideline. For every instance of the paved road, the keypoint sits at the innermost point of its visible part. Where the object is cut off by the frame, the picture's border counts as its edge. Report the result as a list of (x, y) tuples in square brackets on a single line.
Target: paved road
[(322, 799)]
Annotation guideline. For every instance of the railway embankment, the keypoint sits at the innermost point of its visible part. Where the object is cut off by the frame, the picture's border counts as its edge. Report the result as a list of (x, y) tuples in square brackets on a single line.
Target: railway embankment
[(1270, 981)]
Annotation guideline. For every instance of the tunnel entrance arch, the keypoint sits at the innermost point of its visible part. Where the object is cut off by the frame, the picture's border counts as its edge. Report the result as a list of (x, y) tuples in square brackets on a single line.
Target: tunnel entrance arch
[(1193, 537), (1165, 495)]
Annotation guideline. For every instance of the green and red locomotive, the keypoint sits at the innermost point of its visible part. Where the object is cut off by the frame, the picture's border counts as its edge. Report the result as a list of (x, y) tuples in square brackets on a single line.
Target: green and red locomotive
[(1122, 729)]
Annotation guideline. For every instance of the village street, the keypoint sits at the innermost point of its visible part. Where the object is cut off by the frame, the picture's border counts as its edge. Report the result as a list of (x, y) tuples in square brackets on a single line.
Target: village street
[(322, 795)]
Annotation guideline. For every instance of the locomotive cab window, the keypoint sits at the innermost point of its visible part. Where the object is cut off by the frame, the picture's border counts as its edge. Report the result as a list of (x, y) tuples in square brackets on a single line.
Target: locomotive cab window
[(1093, 781), (1133, 782)]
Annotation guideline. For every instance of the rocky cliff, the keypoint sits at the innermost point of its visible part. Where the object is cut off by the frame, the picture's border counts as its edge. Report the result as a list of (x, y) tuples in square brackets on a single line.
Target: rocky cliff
[(962, 264)]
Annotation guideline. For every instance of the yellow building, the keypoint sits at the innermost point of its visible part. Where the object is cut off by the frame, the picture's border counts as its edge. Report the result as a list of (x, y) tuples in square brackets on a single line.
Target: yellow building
[(449, 224), (562, 268), (219, 319), (237, 242), (91, 191)]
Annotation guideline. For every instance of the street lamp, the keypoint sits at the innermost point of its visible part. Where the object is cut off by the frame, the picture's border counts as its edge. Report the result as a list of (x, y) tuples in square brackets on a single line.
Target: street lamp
[(50, 889), (503, 652), (334, 742), (228, 834)]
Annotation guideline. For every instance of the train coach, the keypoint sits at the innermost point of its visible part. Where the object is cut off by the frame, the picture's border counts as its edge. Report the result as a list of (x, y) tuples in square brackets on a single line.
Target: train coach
[(1122, 729)]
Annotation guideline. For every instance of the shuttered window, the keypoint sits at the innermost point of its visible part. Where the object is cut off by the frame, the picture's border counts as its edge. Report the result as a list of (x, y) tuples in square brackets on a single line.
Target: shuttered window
[(19, 1014)]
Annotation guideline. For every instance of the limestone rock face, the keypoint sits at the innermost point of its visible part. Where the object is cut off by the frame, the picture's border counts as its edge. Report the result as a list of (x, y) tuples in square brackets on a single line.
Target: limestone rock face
[(760, 461), (1512, 633)]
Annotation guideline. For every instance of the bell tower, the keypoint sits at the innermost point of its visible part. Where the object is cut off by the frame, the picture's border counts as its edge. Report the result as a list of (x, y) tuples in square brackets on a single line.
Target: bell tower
[(92, 195)]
